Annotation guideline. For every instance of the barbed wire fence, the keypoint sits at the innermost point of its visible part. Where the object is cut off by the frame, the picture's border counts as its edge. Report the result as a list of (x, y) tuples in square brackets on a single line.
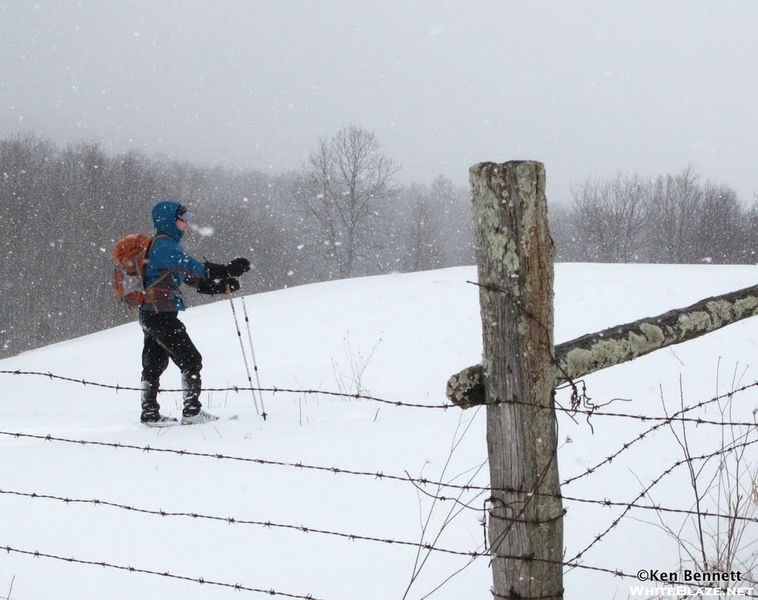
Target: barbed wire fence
[(439, 491)]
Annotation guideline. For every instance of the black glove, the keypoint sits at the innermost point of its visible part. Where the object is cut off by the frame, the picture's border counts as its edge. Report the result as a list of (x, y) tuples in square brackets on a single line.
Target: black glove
[(216, 271), (218, 286), (234, 269), (230, 285), (238, 266)]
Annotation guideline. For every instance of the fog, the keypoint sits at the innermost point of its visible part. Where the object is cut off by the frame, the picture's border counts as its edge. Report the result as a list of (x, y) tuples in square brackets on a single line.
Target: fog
[(588, 88)]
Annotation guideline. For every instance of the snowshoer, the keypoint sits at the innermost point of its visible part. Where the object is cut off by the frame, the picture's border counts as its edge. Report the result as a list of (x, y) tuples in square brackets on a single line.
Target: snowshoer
[(168, 267)]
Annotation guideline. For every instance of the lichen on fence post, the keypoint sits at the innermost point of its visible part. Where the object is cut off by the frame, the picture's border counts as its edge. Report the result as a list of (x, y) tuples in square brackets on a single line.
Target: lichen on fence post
[(515, 270)]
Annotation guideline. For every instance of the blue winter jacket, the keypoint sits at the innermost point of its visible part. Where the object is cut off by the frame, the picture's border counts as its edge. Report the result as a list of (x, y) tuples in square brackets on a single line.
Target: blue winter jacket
[(168, 266)]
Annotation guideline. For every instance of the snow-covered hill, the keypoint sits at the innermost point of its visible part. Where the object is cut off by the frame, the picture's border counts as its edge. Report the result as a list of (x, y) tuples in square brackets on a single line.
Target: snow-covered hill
[(396, 338)]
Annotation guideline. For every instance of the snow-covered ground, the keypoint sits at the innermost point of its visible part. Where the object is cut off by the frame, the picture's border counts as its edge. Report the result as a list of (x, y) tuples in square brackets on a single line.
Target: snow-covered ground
[(396, 337)]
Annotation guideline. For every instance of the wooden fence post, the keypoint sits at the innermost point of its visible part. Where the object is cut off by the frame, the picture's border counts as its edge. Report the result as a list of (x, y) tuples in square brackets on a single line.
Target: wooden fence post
[(515, 269)]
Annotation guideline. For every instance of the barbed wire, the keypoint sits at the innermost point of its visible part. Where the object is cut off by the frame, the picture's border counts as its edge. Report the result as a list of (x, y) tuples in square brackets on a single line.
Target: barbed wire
[(575, 562), (236, 389), (592, 411), (571, 563), (379, 475), (472, 555), (674, 417), (238, 587), (689, 459), (418, 482), (239, 521), (271, 592)]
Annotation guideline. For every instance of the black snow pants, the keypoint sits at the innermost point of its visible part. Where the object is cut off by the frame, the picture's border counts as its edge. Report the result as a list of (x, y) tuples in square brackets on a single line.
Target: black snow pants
[(166, 338)]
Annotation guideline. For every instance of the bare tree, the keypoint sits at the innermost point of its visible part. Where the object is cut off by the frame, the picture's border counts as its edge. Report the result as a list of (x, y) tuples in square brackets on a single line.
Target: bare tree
[(674, 219), (721, 234), (343, 186), (27, 205), (609, 218), (457, 230), (751, 234), (674, 213), (561, 228), (424, 239)]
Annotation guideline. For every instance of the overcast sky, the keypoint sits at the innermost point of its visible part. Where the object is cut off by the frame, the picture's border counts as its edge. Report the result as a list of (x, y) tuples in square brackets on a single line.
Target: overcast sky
[(589, 88)]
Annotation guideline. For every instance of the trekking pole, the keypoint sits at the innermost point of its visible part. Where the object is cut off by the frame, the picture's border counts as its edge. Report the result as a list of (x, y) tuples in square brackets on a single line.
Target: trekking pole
[(252, 352), (244, 354)]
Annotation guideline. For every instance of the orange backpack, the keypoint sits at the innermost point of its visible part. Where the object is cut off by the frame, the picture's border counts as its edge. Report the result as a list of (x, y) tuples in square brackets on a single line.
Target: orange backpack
[(129, 254)]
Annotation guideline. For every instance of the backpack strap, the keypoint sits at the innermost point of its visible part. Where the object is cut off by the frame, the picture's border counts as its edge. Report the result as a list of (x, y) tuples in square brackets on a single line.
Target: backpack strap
[(150, 247), (147, 260), (161, 278)]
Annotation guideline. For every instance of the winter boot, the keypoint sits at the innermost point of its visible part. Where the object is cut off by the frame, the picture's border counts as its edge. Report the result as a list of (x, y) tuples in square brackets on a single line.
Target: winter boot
[(150, 408), (191, 387), (149, 397)]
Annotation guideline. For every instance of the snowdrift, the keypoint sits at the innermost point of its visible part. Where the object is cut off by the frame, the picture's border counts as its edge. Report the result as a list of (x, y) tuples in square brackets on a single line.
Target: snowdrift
[(334, 496)]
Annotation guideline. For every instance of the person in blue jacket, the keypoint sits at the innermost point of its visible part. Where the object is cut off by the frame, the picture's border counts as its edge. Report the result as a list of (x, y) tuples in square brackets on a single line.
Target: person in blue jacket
[(165, 336)]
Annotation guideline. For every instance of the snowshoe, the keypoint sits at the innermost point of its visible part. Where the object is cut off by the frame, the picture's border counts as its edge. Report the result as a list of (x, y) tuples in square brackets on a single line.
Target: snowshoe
[(199, 418), (159, 421)]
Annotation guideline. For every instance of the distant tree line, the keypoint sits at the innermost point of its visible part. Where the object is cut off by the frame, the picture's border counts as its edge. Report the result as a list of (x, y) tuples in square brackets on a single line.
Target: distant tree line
[(342, 214), (668, 219)]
